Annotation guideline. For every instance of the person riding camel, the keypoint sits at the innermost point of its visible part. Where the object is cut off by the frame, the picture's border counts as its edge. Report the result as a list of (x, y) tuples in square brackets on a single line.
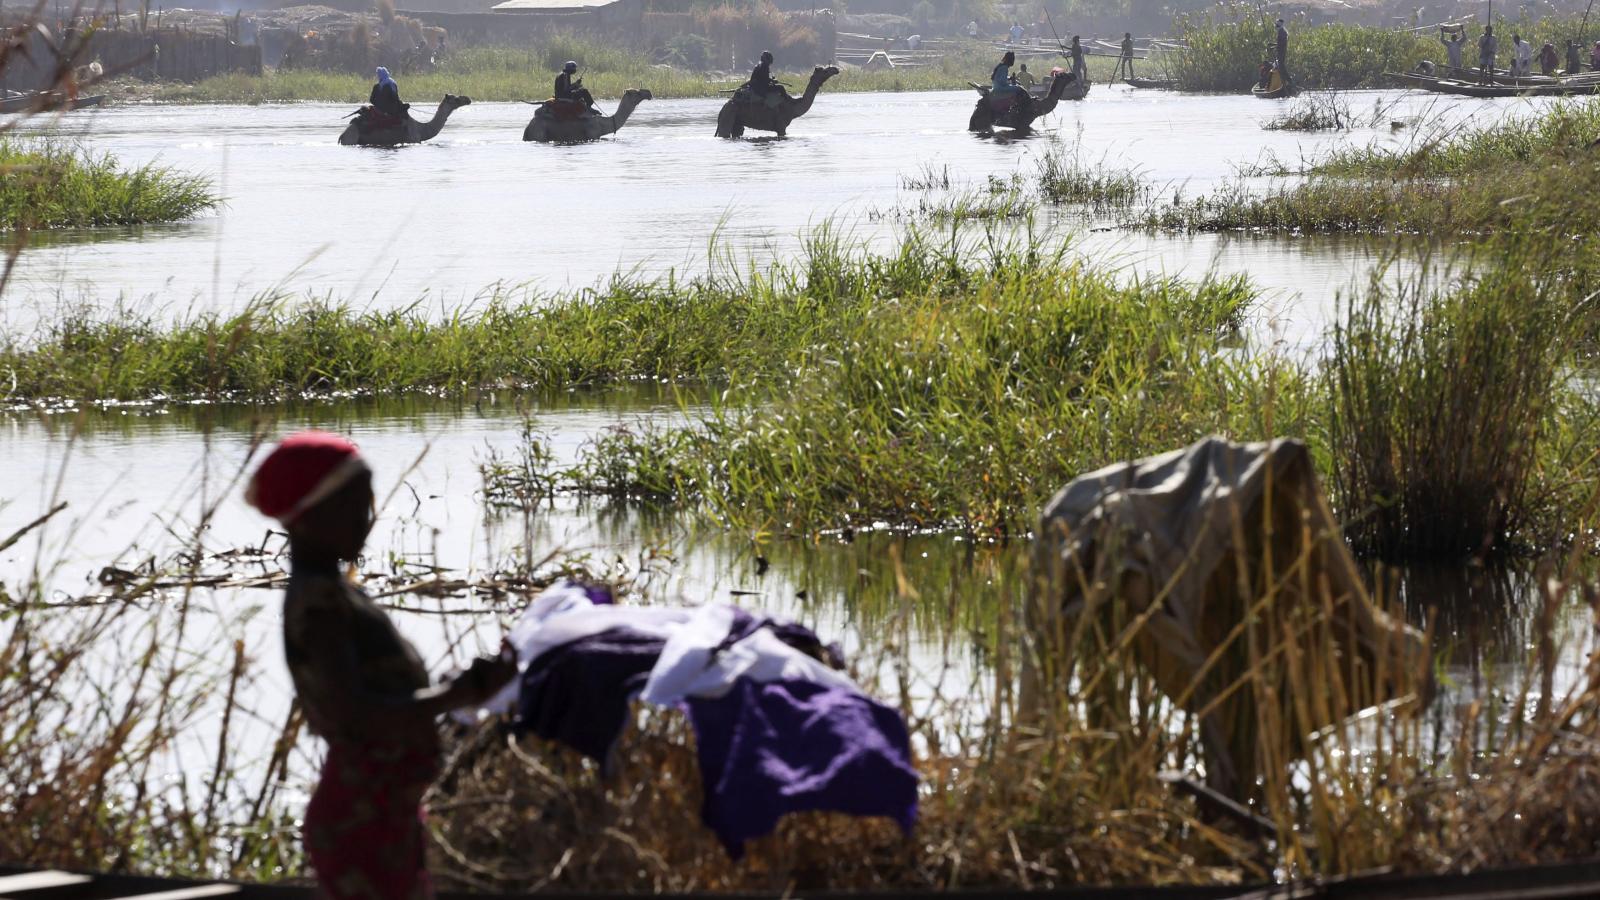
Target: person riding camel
[(761, 83), (571, 89), (1003, 84), (385, 102)]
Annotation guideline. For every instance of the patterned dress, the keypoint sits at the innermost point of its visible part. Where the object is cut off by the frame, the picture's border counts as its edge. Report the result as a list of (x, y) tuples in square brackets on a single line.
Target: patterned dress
[(364, 825)]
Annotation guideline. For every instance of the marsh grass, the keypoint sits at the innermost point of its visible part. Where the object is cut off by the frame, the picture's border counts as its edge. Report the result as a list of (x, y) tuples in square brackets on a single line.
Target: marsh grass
[(1446, 149), (1328, 111), (1441, 410), (959, 409), (1064, 176), (52, 184)]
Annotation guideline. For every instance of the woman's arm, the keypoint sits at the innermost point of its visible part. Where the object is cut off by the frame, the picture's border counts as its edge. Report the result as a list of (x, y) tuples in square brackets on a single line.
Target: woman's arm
[(356, 709)]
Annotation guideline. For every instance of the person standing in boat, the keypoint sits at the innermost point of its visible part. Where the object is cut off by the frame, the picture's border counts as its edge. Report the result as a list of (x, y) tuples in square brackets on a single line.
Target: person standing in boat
[(1125, 61), (1488, 49), (360, 685), (571, 89), (1080, 70), (1283, 52), (1574, 64), (1549, 60), (1453, 37), (385, 97), (1521, 57)]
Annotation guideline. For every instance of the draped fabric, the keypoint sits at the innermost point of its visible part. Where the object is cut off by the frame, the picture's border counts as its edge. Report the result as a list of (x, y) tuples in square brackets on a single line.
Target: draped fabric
[(778, 727)]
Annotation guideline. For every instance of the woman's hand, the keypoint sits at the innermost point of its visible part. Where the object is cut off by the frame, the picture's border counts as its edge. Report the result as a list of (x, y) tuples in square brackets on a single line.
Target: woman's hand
[(485, 677)]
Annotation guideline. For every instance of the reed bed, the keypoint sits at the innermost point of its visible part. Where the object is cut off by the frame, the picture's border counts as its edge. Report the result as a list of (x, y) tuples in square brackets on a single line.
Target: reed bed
[(51, 184), (1441, 149)]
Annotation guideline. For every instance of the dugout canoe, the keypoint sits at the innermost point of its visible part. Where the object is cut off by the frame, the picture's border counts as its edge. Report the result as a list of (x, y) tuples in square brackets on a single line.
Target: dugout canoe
[(1153, 84)]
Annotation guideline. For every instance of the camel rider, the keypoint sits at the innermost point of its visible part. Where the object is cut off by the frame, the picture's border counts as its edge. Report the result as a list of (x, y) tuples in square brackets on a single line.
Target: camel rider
[(385, 96), (1024, 78), (1002, 84), (571, 89), (761, 84)]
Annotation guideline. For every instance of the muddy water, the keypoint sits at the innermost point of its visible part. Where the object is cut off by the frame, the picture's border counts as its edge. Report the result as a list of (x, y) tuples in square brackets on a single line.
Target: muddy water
[(477, 206)]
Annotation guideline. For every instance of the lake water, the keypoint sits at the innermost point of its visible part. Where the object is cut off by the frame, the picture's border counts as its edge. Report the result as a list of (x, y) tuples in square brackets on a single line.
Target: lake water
[(445, 221)]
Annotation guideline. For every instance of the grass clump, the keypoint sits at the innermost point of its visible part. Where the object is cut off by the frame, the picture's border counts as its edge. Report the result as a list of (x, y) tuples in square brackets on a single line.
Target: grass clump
[(45, 184), (1441, 412), (1065, 177), (1566, 128)]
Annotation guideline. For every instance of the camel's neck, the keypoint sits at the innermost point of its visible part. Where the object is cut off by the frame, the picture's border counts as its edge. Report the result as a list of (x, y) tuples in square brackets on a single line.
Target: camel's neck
[(625, 109), (803, 105), (433, 125)]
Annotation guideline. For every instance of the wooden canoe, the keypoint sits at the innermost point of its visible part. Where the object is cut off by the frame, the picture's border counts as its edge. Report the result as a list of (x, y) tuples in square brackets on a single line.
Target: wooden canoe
[(1153, 84), (36, 102)]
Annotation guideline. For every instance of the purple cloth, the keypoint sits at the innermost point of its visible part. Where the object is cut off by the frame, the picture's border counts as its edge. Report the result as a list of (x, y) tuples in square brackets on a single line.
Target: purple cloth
[(772, 748), (579, 693)]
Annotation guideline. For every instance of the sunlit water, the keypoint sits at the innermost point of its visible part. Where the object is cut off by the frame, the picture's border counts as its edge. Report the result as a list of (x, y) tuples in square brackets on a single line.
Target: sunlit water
[(477, 206)]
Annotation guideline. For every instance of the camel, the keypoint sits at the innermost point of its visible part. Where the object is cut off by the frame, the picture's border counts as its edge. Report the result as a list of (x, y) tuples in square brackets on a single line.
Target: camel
[(410, 132), (744, 110), (1019, 117), (550, 125)]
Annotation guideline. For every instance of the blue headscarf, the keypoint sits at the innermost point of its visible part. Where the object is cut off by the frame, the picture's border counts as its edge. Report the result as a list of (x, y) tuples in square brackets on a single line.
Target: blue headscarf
[(383, 77)]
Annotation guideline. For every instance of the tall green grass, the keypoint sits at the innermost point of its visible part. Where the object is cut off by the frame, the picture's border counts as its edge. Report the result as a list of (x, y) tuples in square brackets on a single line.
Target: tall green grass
[(1445, 407), (49, 184), (1564, 130)]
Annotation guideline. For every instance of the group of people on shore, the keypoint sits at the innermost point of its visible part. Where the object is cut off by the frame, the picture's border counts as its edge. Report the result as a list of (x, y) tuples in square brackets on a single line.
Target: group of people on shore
[(1522, 54)]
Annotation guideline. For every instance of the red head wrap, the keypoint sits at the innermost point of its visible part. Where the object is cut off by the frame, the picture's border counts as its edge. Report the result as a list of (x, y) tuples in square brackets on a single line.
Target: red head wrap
[(301, 472)]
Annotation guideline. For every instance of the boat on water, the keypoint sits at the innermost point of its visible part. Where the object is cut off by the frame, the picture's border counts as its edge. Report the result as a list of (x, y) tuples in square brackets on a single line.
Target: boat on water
[(1075, 90), (1534, 86), (35, 101), (1275, 92), (1153, 84)]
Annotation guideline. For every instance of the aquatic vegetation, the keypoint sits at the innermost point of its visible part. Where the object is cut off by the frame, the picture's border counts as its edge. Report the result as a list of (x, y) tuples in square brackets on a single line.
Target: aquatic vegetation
[(1564, 130), (1065, 177), (1226, 44), (962, 409), (51, 184), (1446, 411), (1328, 111)]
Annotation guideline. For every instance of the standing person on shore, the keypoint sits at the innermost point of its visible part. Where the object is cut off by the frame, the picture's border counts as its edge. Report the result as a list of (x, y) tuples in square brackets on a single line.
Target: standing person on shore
[(1488, 49), (1016, 33), (1453, 37), (972, 28), (361, 686), (1283, 52), (1125, 61)]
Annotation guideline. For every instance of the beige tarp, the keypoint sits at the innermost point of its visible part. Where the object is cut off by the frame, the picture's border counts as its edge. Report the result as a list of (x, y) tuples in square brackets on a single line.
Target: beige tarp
[(1166, 558)]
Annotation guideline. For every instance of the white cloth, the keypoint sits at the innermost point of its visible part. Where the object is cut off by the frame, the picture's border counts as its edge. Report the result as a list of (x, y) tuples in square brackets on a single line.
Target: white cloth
[(687, 669), (1524, 58)]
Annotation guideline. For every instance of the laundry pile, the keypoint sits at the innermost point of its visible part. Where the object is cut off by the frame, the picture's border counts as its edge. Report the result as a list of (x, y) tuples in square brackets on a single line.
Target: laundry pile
[(778, 727)]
